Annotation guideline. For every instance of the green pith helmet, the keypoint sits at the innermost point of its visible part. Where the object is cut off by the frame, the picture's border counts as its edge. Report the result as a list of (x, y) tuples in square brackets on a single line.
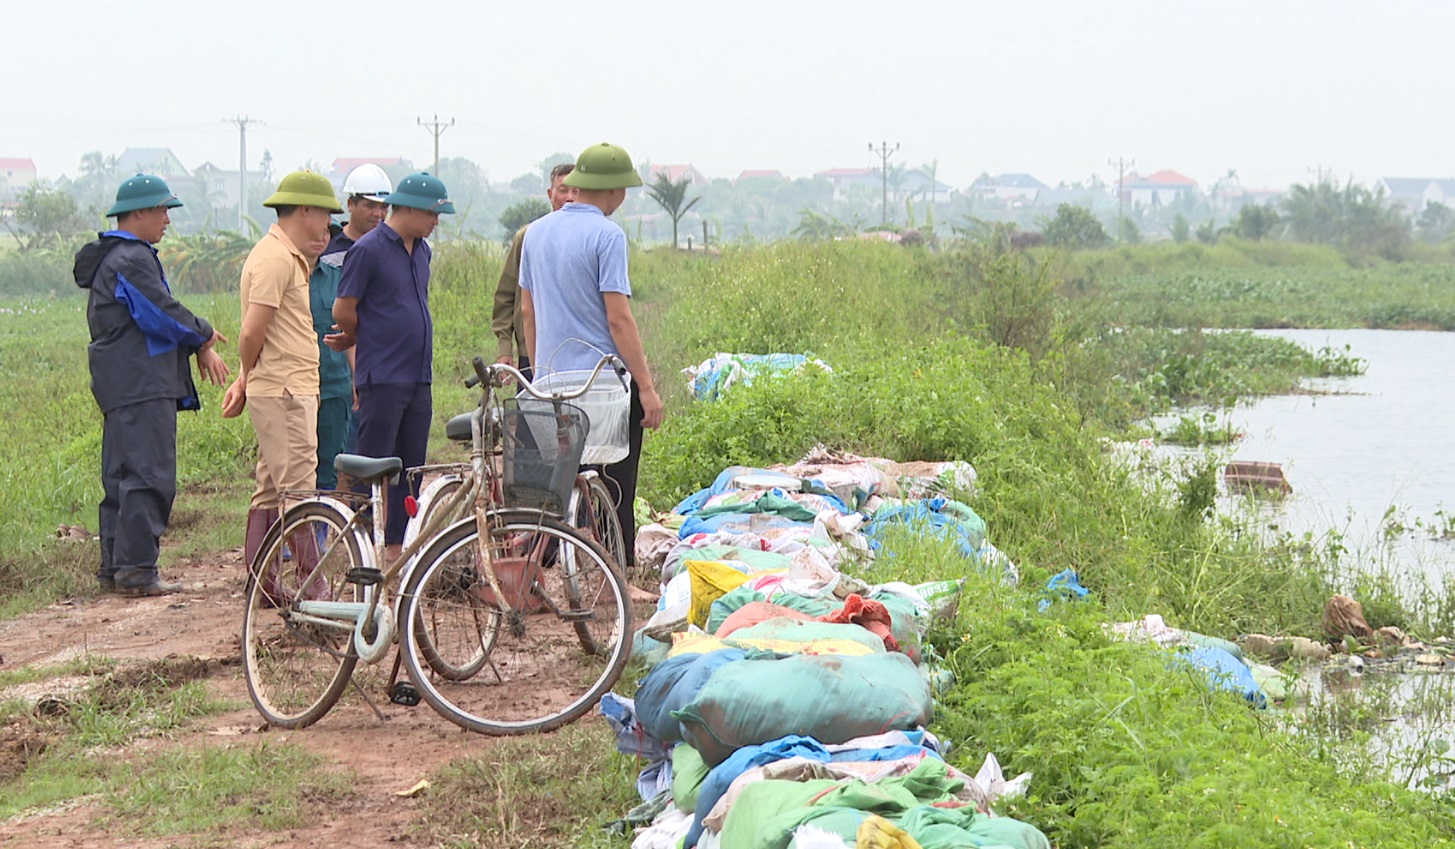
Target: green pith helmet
[(143, 192), (422, 191), (304, 188), (603, 166)]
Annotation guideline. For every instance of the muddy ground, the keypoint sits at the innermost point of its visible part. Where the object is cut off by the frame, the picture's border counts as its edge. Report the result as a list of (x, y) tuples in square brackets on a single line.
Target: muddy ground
[(198, 631)]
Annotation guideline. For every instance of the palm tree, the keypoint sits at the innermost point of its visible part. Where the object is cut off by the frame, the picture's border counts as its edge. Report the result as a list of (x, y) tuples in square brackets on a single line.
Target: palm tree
[(670, 197)]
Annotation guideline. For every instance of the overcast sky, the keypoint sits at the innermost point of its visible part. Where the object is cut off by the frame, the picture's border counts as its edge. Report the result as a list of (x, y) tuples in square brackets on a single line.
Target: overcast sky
[(1056, 88)]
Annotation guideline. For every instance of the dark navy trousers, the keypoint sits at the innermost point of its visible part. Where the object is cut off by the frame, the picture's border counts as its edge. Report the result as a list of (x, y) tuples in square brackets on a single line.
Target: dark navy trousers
[(394, 421), (139, 483)]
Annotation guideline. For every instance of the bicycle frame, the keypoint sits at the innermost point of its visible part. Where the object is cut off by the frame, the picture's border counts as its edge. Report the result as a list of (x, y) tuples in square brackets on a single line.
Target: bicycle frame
[(374, 621)]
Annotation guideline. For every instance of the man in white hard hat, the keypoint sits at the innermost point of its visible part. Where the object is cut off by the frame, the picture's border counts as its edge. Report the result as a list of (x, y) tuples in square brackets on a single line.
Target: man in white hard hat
[(365, 187), (338, 428)]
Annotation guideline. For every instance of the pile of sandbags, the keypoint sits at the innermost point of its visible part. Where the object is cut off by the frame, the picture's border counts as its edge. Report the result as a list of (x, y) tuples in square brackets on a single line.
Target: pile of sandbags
[(787, 698)]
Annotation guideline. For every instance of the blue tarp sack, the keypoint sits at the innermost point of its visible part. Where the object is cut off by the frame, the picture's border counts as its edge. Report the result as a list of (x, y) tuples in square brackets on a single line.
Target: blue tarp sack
[(1063, 586), (1225, 672), (672, 685), (710, 378), (939, 517)]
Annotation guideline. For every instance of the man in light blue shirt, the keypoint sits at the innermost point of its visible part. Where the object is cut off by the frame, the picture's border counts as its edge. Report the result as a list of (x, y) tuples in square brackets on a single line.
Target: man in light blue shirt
[(576, 300)]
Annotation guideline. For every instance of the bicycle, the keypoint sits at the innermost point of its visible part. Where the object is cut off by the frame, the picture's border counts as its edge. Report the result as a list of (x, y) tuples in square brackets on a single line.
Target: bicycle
[(519, 629)]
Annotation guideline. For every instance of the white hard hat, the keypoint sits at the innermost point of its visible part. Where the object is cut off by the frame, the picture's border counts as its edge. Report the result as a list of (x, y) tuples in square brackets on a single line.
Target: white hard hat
[(368, 180)]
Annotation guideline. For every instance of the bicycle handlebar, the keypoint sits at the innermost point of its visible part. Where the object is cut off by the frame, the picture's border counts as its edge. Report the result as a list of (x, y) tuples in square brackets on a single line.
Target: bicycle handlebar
[(494, 371)]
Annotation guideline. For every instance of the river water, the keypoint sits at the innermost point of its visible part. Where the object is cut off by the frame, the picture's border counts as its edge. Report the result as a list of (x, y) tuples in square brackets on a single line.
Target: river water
[(1370, 459)]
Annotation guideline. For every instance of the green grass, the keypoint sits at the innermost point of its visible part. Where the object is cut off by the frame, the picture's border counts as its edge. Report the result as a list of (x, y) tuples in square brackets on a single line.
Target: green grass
[(108, 745), (554, 791), (1131, 750)]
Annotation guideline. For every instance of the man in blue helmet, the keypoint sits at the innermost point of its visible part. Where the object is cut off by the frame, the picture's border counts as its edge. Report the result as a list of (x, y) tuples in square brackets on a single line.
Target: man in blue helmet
[(383, 308), (141, 341)]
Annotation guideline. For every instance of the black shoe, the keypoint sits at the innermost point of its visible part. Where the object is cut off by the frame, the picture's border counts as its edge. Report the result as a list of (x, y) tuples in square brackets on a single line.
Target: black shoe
[(156, 587), (107, 583)]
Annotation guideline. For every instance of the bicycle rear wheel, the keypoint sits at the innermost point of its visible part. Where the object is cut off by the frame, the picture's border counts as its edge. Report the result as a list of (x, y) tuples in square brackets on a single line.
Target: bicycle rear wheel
[(431, 499), (296, 670), (563, 645), (596, 515)]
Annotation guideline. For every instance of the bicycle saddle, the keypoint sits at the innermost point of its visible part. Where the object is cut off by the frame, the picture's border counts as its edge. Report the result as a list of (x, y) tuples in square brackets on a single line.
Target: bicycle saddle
[(369, 469), (458, 428)]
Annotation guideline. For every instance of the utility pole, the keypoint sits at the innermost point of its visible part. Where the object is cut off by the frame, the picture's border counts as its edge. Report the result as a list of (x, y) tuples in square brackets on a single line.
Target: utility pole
[(436, 128), (1321, 173), (1121, 165), (242, 122), (884, 151)]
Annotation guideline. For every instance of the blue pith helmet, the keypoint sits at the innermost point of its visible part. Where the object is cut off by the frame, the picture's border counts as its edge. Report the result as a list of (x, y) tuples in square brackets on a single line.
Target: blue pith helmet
[(142, 192), (422, 191)]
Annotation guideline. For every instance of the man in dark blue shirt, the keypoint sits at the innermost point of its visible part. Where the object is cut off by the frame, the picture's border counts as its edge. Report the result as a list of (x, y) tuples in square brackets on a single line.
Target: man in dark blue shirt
[(383, 308)]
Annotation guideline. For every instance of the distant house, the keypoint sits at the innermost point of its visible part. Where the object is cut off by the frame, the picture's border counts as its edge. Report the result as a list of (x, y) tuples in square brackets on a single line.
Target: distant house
[(220, 186), (676, 173), (1009, 188), (843, 178), (760, 175), (1158, 189), (17, 173), (160, 161), (1415, 193)]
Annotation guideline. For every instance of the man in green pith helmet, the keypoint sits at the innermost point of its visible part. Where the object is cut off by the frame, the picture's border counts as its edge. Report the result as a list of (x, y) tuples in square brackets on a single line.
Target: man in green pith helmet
[(277, 380), (576, 301), (383, 306), (141, 340)]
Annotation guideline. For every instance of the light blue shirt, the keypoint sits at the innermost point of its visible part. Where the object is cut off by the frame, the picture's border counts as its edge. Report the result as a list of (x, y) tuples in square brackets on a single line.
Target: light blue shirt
[(569, 259)]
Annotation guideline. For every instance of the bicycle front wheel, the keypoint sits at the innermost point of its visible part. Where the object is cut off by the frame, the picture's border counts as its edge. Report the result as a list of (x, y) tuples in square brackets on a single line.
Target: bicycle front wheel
[(295, 669), (562, 646)]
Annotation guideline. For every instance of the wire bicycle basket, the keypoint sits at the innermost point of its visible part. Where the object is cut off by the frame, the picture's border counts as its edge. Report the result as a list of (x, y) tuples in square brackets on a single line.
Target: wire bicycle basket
[(542, 442)]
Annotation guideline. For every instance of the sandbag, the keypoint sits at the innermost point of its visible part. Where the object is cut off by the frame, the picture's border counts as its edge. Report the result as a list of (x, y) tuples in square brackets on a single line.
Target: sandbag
[(809, 633), (711, 579), (905, 619), (730, 602), (688, 773), (672, 684), (755, 612), (835, 643), (831, 699)]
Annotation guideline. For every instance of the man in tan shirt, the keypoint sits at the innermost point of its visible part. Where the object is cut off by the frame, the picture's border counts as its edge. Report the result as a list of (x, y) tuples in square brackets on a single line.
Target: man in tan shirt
[(277, 380)]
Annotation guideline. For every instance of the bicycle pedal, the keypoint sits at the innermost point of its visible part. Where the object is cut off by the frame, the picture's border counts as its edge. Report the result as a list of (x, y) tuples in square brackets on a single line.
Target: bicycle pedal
[(404, 693), (364, 577)]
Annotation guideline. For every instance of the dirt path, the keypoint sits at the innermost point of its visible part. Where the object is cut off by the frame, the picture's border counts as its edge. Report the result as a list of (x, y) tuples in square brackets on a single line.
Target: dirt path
[(203, 622)]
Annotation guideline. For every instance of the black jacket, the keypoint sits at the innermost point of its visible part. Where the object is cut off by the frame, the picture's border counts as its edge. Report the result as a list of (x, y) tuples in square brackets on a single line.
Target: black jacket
[(141, 337)]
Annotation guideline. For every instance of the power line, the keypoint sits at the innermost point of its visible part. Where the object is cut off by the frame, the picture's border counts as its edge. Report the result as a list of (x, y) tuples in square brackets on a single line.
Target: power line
[(1121, 165), (436, 129), (242, 122), (884, 151)]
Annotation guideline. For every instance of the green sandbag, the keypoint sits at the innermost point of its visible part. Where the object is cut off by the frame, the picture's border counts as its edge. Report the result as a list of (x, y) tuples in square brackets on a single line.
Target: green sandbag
[(688, 773), (830, 698)]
